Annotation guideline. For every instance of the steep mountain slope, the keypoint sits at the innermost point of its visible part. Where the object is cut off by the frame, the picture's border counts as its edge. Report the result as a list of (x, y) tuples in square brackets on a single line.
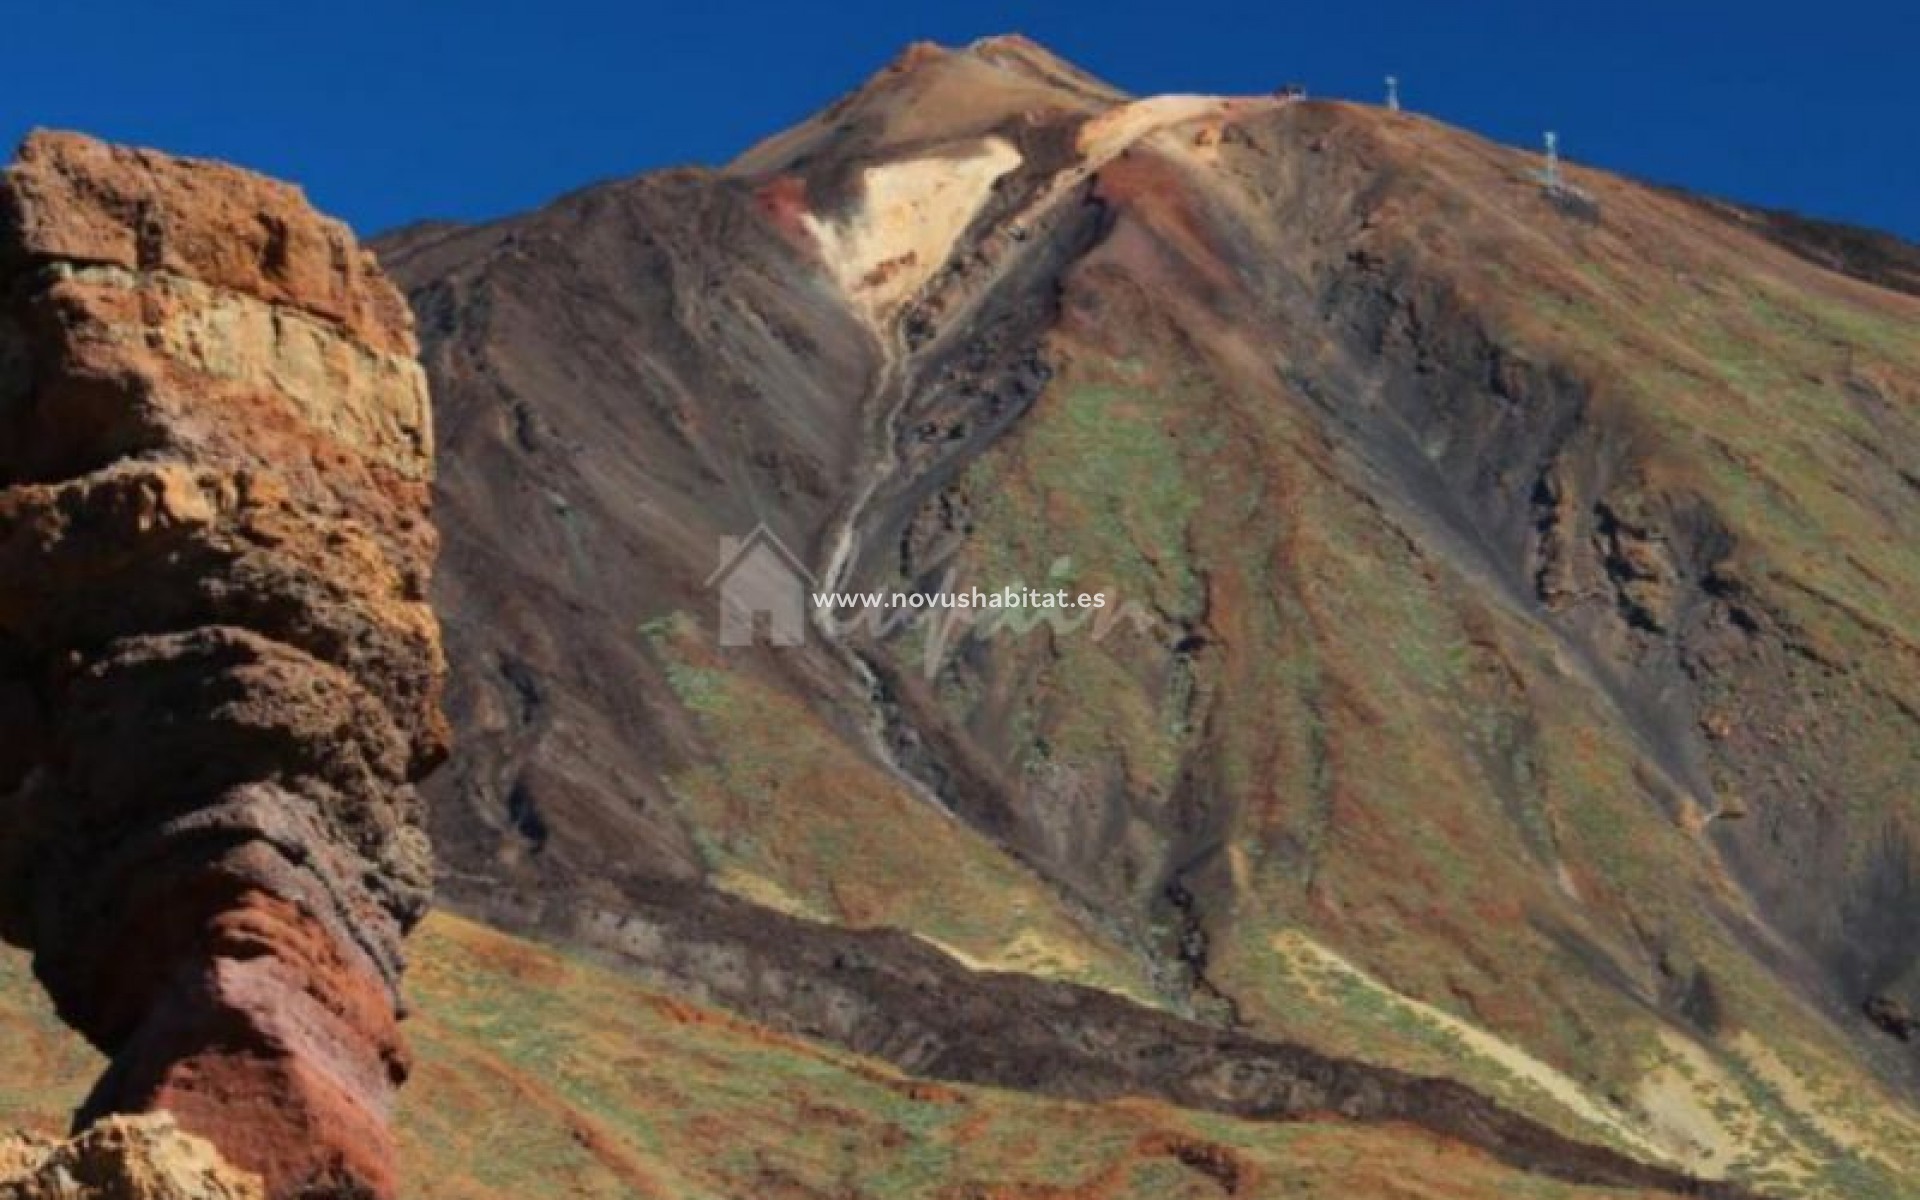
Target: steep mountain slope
[(1511, 673)]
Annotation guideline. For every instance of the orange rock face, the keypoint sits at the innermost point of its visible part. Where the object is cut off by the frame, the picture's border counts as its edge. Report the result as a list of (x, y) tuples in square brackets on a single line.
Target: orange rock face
[(219, 675)]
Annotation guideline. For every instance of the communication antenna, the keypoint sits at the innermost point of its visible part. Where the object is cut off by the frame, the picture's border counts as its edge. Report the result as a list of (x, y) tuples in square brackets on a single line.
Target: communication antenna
[(1552, 177), (1393, 93)]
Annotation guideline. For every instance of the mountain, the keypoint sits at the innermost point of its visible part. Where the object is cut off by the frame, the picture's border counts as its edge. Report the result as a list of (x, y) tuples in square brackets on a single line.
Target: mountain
[(1511, 675), (1489, 768)]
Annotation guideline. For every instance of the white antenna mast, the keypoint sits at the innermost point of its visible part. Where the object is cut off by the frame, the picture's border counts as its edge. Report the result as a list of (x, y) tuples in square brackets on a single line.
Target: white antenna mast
[(1393, 93), (1553, 161)]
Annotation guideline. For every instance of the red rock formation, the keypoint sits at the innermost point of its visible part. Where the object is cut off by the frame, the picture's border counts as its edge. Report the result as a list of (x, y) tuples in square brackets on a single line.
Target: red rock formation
[(219, 676)]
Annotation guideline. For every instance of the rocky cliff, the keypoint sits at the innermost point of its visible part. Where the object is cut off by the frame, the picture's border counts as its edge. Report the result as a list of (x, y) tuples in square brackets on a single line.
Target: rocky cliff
[(219, 674)]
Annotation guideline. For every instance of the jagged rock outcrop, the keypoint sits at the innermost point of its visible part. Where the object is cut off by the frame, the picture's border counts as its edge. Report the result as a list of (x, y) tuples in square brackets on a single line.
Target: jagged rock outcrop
[(219, 675), (121, 1158)]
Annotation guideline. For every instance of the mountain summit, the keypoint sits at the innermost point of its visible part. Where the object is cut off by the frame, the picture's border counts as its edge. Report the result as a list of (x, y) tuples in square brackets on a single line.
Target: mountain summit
[(931, 95), (1518, 682)]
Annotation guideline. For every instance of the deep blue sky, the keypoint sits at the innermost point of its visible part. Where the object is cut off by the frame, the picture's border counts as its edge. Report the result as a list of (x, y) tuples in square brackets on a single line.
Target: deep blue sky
[(390, 112)]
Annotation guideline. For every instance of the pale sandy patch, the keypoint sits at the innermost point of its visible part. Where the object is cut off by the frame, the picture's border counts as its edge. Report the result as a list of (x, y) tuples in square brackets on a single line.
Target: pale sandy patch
[(1678, 1098), (1833, 1113), (1029, 953), (1557, 1085), (910, 216), (767, 893), (1117, 128)]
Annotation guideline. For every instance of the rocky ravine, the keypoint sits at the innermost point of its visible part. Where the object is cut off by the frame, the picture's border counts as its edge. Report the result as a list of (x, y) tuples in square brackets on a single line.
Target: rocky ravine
[(219, 674)]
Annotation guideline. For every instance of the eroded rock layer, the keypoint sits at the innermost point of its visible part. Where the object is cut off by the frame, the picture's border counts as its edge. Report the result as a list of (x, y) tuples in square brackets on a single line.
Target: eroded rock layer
[(219, 676)]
